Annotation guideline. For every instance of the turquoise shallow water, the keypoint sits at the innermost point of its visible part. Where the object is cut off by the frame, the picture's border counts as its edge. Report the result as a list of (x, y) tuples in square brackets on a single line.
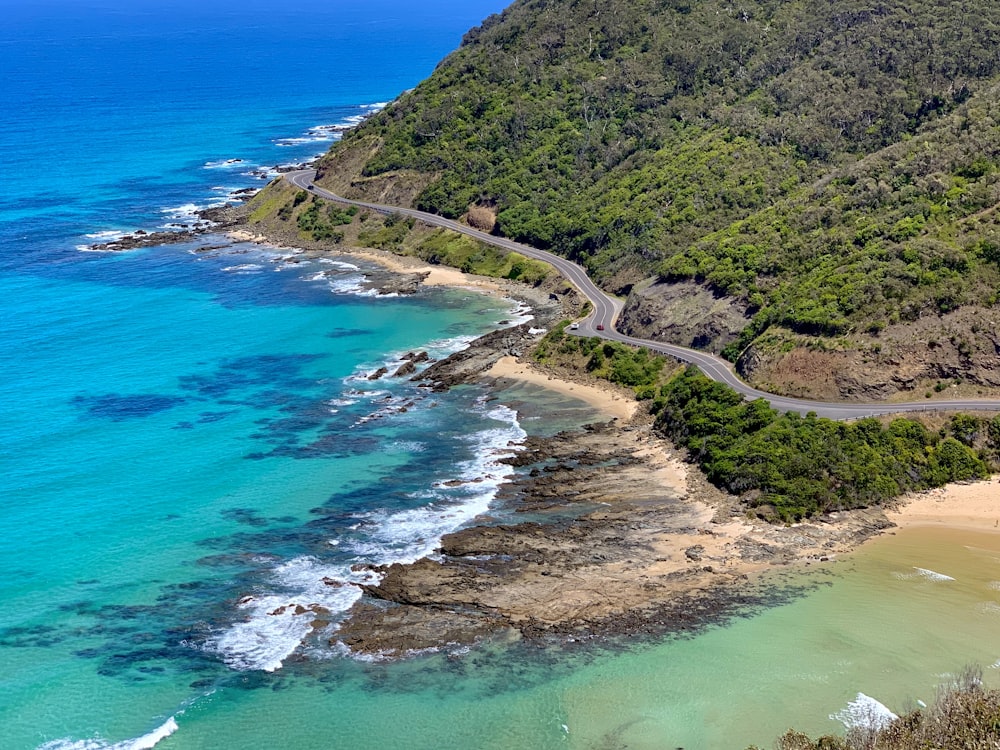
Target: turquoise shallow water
[(189, 442)]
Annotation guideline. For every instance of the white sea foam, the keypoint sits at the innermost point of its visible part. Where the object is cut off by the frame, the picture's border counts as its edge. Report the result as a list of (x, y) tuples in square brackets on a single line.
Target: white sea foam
[(929, 575), (279, 620), (224, 164), (107, 236), (341, 401), (353, 285), (101, 238), (519, 312), (243, 268), (276, 623), (146, 742), (339, 264), (406, 536), (932, 575), (438, 349), (333, 131), (266, 173), (864, 712), (186, 215)]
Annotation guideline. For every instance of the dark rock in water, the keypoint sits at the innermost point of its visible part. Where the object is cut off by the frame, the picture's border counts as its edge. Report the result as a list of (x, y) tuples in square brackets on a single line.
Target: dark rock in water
[(416, 357), (404, 284), (468, 364), (407, 368), (399, 630), (120, 407), (378, 373)]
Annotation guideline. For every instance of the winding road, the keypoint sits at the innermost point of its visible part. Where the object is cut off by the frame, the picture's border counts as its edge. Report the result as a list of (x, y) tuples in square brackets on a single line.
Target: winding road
[(607, 309)]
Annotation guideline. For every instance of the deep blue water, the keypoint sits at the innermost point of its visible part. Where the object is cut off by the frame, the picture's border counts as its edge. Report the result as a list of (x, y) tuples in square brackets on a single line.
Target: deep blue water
[(188, 440)]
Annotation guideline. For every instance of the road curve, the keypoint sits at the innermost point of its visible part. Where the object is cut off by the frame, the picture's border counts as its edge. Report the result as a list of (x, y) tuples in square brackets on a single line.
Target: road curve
[(607, 309)]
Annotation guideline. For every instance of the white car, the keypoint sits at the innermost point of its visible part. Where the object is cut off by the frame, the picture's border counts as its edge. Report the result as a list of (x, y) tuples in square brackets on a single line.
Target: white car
[(574, 326)]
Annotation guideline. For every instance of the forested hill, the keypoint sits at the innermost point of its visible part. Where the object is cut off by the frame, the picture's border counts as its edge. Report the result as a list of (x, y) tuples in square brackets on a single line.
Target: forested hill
[(831, 165)]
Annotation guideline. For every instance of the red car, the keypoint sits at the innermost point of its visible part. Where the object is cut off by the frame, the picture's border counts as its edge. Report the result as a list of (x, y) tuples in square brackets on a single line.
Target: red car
[(600, 327)]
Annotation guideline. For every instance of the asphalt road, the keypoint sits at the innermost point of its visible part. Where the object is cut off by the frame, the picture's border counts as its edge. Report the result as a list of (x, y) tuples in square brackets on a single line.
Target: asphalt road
[(607, 309)]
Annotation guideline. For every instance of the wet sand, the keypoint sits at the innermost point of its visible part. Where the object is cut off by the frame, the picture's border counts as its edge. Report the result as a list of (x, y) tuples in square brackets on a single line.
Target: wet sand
[(616, 403)]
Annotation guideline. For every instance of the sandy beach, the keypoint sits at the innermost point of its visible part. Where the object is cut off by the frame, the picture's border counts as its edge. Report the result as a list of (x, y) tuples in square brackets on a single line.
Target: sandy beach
[(436, 275), (972, 507), (613, 402)]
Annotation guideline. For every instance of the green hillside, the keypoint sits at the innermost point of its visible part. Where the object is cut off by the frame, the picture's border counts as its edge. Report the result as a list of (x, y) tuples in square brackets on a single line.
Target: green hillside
[(832, 165)]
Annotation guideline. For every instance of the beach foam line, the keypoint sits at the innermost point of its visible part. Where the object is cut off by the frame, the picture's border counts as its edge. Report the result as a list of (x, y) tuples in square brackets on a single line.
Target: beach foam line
[(932, 575), (925, 573), (278, 622), (338, 264), (146, 742), (864, 712)]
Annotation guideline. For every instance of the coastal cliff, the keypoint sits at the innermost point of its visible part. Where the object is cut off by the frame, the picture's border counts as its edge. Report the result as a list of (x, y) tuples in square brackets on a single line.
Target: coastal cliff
[(826, 173)]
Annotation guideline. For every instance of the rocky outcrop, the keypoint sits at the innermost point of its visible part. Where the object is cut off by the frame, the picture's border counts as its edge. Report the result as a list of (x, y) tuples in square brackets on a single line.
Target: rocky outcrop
[(952, 355), (629, 548), (397, 283), (684, 313), (468, 364)]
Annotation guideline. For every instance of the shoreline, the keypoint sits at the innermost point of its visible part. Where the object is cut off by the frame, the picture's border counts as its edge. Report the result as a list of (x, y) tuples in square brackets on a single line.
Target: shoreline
[(605, 398), (972, 506), (677, 553), (604, 532)]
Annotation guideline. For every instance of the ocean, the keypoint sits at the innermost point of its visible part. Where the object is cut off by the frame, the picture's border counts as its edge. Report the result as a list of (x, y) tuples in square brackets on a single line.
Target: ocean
[(189, 441)]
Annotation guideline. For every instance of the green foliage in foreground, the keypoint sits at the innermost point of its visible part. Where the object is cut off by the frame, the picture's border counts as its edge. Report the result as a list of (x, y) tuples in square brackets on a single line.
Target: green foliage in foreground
[(965, 717), (625, 365), (320, 218), (798, 466)]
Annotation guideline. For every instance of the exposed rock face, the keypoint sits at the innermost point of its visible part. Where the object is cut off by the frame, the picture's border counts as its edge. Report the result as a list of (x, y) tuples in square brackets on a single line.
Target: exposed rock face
[(954, 354), (398, 283), (630, 548), (466, 365), (407, 368), (684, 313)]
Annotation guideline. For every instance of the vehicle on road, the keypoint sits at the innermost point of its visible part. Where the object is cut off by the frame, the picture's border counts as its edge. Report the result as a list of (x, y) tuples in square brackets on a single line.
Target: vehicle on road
[(600, 327), (310, 186), (574, 326)]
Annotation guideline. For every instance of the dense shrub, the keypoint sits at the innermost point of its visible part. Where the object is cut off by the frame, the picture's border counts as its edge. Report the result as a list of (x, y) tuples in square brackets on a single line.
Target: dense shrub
[(798, 466)]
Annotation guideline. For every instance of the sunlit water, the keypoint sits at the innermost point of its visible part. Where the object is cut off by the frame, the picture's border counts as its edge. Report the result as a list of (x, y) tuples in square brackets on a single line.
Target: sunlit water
[(189, 441)]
